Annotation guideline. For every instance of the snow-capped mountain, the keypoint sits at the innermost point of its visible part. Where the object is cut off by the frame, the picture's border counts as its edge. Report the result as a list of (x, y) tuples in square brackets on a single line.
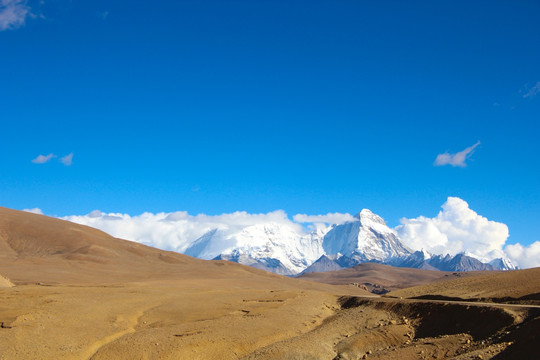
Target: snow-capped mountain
[(367, 238), (290, 249), (503, 263), (274, 247), (458, 262)]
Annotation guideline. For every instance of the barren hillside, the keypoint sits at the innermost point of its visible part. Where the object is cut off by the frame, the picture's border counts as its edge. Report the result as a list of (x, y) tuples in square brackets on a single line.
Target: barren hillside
[(517, 285), (81, 294)]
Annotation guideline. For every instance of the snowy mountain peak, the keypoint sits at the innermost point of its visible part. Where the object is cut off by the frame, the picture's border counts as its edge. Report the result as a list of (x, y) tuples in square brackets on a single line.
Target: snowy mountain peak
[(368, 239), (367, 216), (269, 246), (288, 249), (503, 263)]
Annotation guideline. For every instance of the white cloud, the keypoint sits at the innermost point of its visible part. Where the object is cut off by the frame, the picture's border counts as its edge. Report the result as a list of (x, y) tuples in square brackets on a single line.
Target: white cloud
[(457, 228), (13, 13), (42, 159), (67, 160), (177, 230), (533, 91), (457, 159), (34, 211), (525, 256), (330, 218)]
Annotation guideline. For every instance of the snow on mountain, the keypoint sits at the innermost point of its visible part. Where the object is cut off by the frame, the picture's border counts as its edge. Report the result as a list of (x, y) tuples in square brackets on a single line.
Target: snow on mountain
[(289, 249), (367, 238), (265, 263), (498, 261), (271, 245), (503, 263), (274, 242)]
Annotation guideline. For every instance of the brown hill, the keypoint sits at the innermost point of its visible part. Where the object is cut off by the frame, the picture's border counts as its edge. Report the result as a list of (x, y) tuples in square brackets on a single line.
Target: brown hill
[(40, 249), (37, 248), (516, 285), (380, 278)]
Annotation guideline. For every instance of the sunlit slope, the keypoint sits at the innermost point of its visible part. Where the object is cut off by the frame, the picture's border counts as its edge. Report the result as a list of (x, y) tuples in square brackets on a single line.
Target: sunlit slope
[(5, 282), (37, 248), (40, 249), (517, 284)]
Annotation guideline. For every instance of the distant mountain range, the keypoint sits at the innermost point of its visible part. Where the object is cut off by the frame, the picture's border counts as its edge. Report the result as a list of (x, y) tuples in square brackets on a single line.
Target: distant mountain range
[(288, 251)]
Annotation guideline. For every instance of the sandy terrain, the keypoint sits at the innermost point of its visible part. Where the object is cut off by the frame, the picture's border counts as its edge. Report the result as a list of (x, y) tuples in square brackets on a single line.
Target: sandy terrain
[(209, 320), (203, 319), (509, 286), (81, 294), (4, 282)]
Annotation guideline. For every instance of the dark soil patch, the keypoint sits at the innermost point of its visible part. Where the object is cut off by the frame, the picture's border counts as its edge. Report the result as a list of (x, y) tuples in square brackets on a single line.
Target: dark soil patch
[(436, 319)]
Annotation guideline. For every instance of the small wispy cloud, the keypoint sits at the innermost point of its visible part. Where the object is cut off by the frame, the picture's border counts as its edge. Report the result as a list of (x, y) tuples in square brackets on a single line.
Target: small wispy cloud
[(67, 160), (457, 159), (103, 15), (34, 211), (13, 13), (533, 91), (42, 159)]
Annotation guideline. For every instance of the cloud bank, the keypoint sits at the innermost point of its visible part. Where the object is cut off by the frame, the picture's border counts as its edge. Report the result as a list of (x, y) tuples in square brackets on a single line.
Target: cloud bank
[(177, 230), (456, 228), (525, 256), (457, 159), (13, 13)]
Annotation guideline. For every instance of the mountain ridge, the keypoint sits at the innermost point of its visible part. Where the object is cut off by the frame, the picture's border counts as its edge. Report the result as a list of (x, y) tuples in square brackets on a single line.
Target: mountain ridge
[(367, 238)]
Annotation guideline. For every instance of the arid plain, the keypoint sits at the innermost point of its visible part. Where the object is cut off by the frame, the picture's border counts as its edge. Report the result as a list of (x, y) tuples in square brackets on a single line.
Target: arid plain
[(72, 292)]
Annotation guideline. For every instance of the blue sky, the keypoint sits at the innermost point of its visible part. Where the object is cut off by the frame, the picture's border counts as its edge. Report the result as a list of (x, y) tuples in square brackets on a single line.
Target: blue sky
[(306, 106)]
